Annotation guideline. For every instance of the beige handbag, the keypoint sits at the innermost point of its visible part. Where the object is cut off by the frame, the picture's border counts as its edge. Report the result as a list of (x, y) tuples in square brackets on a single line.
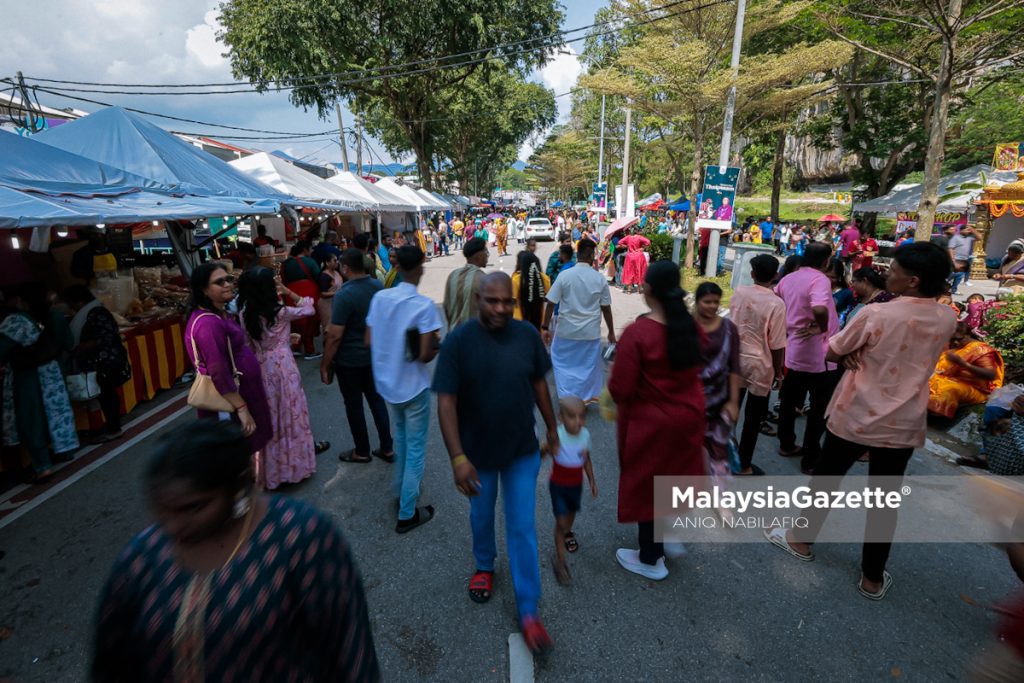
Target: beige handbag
[(203, 394)]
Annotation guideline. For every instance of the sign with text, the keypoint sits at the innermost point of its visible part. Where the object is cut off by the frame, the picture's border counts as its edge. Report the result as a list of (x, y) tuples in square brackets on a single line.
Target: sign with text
[(717, 209), (907, 220)]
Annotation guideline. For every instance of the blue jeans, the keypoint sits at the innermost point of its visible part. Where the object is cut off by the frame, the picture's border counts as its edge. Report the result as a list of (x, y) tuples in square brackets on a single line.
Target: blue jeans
[(411, 422), (519, 494), (956, 278)]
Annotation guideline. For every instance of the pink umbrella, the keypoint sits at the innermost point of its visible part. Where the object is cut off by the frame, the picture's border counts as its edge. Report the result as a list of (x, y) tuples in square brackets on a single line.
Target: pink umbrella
[(618, 225), (493, 216)]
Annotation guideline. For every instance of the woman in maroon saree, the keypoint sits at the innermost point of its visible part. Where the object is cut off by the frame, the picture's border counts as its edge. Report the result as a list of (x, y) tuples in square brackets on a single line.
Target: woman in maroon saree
[(655, 382)]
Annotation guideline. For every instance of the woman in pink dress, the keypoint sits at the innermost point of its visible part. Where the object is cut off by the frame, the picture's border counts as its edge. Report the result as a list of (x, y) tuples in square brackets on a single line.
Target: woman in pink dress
[(290, 455), (635, 266)]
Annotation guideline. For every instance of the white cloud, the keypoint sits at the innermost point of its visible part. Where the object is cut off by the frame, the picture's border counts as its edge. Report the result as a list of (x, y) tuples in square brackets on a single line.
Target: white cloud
[(201, 41), (560, 75)]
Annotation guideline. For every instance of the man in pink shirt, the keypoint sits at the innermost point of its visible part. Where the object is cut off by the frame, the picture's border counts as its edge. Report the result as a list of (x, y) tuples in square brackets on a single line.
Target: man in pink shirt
[(849, 245), (881, 405), (811, 321), (760, 317)]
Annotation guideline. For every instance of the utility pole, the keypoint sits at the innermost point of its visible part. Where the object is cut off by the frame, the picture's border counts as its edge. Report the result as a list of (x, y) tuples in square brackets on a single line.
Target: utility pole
[(341, 135), (600, 146), (730, 108), (625, 163), (359, 146)]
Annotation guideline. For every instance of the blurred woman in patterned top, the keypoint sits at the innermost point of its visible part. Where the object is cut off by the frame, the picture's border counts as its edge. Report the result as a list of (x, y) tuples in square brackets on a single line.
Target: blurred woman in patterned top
[(230, 585)]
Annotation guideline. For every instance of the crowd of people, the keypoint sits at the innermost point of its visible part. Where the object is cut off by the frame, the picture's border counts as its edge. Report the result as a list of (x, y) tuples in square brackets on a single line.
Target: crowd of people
[(679, 381)]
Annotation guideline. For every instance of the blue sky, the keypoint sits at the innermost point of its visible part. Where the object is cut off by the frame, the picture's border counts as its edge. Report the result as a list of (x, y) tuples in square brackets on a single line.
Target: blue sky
[(141, 41)]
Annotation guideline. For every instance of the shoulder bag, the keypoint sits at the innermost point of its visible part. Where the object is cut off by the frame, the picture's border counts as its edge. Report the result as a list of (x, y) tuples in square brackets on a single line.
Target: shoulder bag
[(203, 394)]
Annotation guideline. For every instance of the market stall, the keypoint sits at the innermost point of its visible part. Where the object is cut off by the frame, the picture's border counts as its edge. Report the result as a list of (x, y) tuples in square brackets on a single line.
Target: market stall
[(1003, 206)]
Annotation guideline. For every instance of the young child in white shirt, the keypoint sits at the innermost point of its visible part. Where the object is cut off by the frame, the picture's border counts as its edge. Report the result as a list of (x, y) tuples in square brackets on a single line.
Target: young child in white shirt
[(569, 464)]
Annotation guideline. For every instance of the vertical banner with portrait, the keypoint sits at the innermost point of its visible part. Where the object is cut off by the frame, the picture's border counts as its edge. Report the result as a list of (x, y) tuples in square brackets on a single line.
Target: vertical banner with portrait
[(717, 205)]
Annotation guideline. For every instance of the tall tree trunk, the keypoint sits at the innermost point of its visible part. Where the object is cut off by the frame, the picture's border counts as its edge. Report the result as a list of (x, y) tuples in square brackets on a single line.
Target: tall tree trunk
[(780, 150), (695, 175), (939, 123)]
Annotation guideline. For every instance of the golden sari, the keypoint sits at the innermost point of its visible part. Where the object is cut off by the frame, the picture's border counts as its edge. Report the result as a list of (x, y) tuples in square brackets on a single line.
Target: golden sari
[(952, 386)]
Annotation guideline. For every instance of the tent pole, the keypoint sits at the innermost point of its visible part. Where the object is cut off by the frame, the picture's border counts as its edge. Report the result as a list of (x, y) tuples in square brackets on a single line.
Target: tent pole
[(380, 235)]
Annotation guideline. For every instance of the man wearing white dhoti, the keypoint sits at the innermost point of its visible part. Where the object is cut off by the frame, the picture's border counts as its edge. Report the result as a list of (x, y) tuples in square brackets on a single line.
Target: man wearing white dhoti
[(582, 296)]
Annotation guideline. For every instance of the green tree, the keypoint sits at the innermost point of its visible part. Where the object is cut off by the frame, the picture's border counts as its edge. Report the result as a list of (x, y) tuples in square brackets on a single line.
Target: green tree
[(388, 58), (678, 71), (992, 112), (490, 117), (562, 166), (514, 179), (942, 42)]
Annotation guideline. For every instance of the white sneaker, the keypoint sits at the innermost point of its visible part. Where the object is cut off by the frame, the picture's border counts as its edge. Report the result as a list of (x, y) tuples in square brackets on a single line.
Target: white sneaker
[(630, 561)]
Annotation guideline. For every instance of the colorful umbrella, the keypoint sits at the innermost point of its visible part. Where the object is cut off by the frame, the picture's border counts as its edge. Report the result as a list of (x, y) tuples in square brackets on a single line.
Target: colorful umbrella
[(832, 218), (492, 216), (618, 225)]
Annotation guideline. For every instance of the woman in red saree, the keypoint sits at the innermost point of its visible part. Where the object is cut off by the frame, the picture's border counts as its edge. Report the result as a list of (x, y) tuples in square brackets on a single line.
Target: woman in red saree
[(655, 382), (635, 267), (965, 374)]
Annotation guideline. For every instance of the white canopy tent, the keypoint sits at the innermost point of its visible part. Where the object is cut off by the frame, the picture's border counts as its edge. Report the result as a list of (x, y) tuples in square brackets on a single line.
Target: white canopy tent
[(375, 197), (435, 204), (908, 198), (290, 179), (406, 193)]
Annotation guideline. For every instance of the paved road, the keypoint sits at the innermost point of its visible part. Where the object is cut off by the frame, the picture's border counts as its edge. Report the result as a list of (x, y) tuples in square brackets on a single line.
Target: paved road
[(726, 612)]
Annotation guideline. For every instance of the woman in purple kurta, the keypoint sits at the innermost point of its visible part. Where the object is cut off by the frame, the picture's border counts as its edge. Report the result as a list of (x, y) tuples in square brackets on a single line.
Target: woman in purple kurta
[(213, 331)]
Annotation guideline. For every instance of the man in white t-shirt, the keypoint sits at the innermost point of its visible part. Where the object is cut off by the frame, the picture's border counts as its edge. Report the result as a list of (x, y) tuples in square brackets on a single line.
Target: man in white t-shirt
[(582, 296), (403, 333)]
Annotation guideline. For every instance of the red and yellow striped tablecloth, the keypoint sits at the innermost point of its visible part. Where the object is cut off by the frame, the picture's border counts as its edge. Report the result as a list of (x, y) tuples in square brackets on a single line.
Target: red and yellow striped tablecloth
[(157, 355)]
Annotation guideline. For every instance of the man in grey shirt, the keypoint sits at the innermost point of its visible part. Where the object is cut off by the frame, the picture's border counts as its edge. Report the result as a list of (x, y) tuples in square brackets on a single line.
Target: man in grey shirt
[(960, 248)]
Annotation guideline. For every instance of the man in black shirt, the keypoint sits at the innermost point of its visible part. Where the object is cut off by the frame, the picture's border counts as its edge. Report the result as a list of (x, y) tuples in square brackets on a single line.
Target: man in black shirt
[(488, 428), (346, 353)]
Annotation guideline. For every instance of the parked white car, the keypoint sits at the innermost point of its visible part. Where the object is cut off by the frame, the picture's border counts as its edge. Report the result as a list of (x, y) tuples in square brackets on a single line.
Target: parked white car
[(540, 228)]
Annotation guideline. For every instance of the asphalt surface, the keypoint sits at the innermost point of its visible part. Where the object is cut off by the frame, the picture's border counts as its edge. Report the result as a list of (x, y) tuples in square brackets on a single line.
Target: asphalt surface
[(726, 612)]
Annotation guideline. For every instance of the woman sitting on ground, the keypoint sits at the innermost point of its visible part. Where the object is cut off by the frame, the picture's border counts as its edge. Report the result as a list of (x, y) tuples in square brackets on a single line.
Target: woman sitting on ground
[(965, 375)]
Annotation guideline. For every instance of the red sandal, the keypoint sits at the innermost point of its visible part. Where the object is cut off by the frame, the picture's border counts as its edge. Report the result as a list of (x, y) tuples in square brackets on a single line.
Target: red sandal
[(480, 585), (536, 636)]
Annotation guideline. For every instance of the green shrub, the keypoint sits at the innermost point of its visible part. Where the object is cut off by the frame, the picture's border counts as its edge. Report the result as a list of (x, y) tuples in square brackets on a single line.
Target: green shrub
[(1004, 327), (661, 247)]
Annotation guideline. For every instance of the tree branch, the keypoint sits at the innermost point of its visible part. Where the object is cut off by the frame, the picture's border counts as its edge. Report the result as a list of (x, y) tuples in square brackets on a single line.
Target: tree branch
[(884, 55), (907, 22), (998, 8)]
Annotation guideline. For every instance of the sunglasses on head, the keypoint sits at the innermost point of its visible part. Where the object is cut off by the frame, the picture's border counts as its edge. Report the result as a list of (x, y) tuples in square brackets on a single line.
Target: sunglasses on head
[(221, 281)]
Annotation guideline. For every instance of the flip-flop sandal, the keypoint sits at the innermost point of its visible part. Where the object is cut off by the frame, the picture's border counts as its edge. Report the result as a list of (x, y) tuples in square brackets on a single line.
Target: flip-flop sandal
[(755, 471), (571, 544), (777, 537), (321, 446), (386, 457), (886, 585), (772, 417), (352, 456), (768, 430), (795, 453), (972, 462), (562, 575), (419, 518), (480, 585)]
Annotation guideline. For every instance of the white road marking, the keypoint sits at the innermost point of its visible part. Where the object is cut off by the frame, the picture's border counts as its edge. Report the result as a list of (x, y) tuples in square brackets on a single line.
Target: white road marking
[(520, 661), (57, 488)]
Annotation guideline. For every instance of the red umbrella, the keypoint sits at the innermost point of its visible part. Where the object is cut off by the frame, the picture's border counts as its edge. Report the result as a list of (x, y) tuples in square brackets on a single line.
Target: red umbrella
[(831, 218)]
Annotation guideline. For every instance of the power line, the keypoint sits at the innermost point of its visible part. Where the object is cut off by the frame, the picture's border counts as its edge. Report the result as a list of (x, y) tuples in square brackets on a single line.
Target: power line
[(542, 40), (332, 78)]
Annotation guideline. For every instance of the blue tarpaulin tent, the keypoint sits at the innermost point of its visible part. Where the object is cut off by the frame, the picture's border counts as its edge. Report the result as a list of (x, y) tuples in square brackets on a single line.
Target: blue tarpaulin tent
[(125, 140), (680, 203), (43, 186)]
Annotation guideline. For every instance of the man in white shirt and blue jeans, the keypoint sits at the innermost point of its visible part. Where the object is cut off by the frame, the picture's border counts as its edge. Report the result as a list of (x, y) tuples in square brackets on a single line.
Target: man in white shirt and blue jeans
[(403, 332)]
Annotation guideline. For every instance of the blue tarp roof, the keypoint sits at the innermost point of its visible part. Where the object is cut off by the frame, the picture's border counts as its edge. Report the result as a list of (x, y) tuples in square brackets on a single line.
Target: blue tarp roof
[(43, 186), (26, 164), (125, 140)]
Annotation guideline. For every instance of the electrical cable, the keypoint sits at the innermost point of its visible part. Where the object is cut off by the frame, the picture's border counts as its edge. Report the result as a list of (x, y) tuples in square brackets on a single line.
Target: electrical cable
[(333, 76), (385, 76)]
